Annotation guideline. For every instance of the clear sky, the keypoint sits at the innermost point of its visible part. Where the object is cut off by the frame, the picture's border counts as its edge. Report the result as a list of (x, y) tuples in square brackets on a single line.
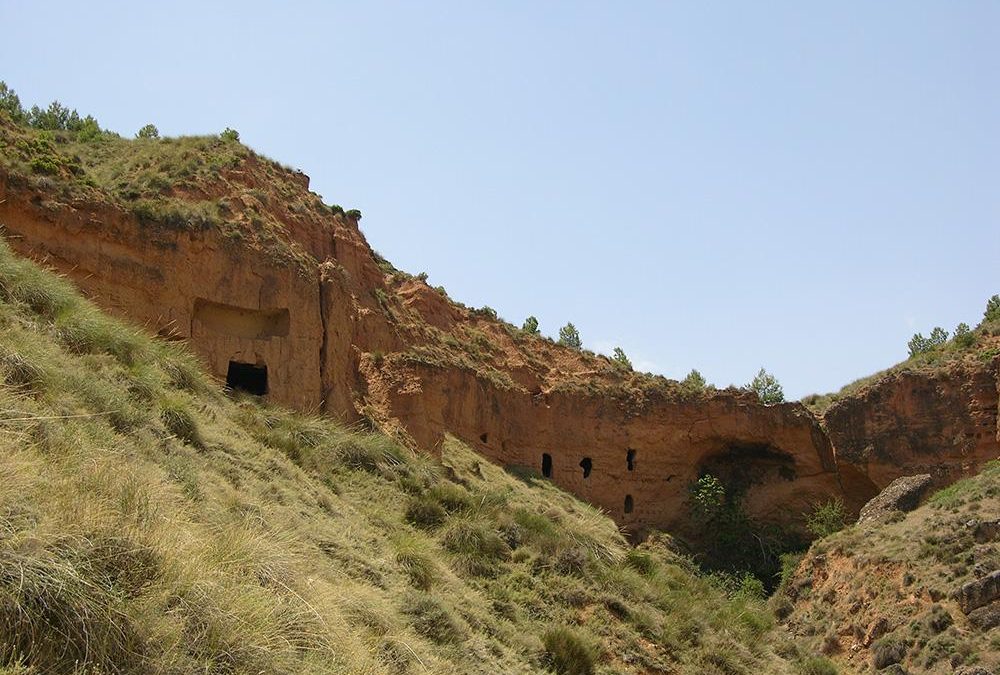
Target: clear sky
[(724, 186)]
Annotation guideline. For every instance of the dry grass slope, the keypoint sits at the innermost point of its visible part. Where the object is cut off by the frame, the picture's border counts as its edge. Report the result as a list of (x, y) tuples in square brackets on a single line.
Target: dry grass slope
[(152, 524)]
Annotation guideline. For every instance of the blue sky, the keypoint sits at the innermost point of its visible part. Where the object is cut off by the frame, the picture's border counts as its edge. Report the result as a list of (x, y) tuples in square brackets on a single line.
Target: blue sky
[(721, 186)]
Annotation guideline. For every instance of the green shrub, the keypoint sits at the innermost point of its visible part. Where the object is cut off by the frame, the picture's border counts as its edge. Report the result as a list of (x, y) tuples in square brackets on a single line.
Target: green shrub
[(964, 337), (425, 513), (569, 652), (919, 344), (230, 135), (488, 312), (453, 498), (887, 651), (694, 382), (817, 665), (11, 104), (620, 360), (569, 336), (478, 549), (530, 325), (148, 131), (413, 557), (767, 388), (992, 312), (826, 518)]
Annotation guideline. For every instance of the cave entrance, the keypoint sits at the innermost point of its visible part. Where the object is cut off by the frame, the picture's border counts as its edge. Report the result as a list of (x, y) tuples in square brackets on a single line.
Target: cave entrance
[(247, 377), (547, 465), (629, 504), (741, 466), (630, 459), (587, 465)]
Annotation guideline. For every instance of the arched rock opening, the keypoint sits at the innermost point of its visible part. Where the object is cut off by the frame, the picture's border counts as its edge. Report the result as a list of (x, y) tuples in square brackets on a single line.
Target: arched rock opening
[(740, 465)]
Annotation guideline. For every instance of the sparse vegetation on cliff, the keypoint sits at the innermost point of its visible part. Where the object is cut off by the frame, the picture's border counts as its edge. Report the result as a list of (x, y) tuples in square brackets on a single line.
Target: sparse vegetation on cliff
[(844, 596), (154, 525), (934, 351), (185, 183), (767, 388), (569, 336)]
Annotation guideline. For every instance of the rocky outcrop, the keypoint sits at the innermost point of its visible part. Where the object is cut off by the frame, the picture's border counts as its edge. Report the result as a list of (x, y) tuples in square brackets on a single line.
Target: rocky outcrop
[(979, 592), (301, 309), (902, 495), (936, 420), (339, 336), (635, 463)]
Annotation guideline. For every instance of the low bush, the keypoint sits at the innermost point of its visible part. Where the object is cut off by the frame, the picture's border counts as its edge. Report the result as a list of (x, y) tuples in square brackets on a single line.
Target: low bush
[(767, 388), (425, 513), (887, 651), (826, 518), (569, 652), (569, 336), (432, 619)]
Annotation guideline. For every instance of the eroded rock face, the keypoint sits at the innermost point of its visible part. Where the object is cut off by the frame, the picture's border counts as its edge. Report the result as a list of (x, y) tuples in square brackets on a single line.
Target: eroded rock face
[(338, 332), (636, 464), (941, 422)]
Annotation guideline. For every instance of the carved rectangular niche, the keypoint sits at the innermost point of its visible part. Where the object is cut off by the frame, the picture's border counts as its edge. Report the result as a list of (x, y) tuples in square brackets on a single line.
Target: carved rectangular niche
[(242, 322)]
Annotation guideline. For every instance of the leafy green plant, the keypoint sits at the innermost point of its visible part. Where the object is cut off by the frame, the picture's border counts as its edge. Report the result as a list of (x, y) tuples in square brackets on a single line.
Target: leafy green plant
[(148, 131), (992, 312), (569, 336), (826, 518), (964, 337), (530, 325), (919, 344), (230, 135), (694, 382), (620, 360), (10, 103), (767, 388)]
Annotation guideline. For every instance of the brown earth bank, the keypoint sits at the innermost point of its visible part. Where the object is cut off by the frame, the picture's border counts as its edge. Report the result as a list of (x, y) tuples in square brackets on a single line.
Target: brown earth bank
[(939, 420), (914, 592), (284, 296)]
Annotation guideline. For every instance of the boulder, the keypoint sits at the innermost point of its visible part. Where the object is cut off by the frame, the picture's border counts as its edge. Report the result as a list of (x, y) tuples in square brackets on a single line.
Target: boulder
[(978, 593), (903, 494)]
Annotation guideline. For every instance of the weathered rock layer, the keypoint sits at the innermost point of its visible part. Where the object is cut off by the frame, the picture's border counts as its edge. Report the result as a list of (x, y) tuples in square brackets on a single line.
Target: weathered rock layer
[(342, 335)]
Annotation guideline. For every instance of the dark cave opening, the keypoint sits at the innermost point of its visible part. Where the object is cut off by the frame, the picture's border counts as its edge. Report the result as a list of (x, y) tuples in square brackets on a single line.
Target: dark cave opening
[(247, 377)]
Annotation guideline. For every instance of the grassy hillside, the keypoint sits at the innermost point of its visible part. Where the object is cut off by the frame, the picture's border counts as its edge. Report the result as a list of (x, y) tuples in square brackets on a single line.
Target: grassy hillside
[(152, 524), (884, 593)]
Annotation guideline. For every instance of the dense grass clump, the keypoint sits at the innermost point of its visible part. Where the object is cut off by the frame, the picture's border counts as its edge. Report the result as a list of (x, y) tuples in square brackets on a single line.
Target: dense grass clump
[(568, 651)]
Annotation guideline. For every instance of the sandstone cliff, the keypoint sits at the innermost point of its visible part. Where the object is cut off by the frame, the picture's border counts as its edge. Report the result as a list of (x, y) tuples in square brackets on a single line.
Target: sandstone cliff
[(203, 240)]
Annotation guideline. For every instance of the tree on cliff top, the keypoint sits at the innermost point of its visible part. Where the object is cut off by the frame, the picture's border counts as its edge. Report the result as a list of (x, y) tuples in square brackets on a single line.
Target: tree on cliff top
[(569, 336), (767, 388)]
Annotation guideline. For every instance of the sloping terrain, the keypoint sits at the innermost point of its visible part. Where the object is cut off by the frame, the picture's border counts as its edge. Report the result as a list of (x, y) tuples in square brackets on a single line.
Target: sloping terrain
[(916, 592), (201, 239), (152, 524)]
